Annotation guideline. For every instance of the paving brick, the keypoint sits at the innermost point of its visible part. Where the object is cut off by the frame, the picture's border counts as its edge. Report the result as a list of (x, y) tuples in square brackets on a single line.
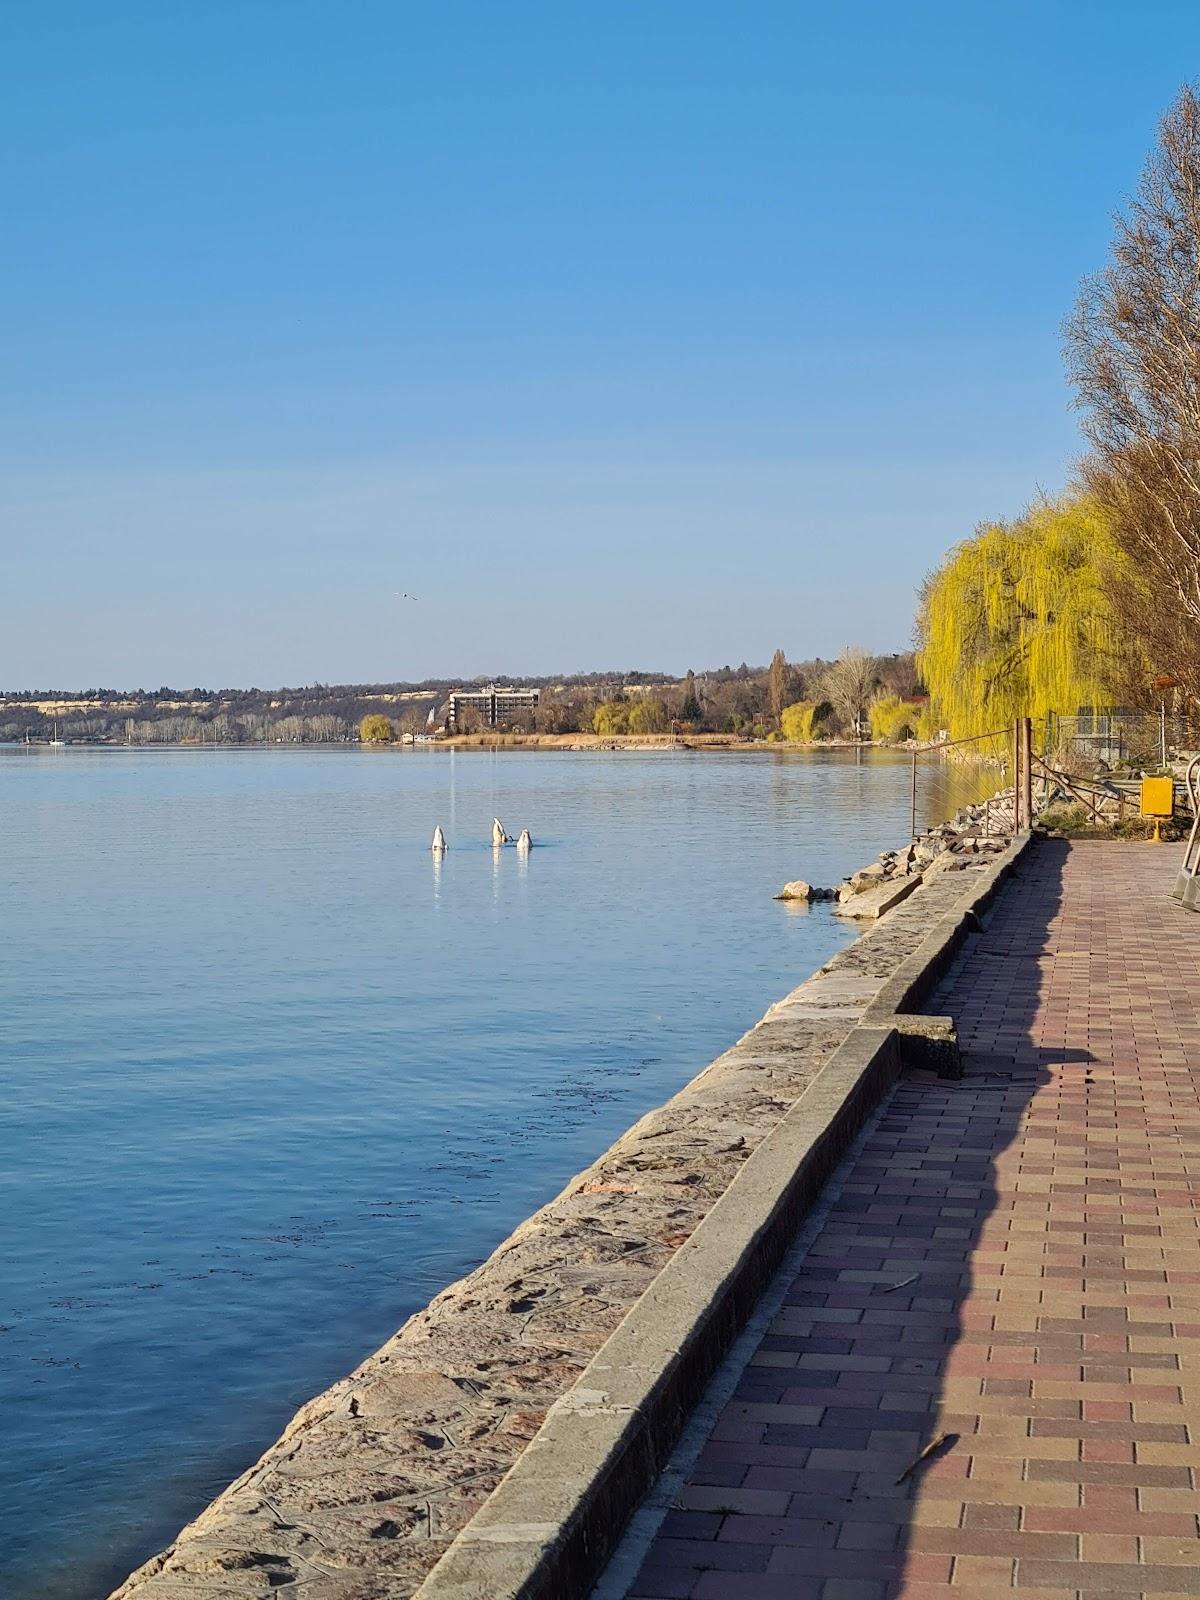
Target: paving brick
[(1048, 1207), (703, 1555), (993, 1517), (754, 1586), (753, 1502), (811, 1532), (663, 1583), (1108, 1548), (1110, 1580)]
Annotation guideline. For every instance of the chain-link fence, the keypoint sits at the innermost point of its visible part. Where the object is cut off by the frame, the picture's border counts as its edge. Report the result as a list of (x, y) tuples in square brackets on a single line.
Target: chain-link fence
[(1118, 739)]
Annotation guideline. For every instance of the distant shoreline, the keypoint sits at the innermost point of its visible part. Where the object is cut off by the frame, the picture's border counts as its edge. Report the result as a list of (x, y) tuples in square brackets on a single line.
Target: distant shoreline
[(577, 742), (634, 741)]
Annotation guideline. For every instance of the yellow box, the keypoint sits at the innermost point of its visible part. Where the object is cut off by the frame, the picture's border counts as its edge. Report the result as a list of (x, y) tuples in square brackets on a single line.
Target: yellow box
[(1158, 797)]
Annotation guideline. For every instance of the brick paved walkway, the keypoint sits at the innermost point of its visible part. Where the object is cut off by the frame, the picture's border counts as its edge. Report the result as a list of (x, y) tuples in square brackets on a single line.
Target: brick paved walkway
[(1046, 1213)]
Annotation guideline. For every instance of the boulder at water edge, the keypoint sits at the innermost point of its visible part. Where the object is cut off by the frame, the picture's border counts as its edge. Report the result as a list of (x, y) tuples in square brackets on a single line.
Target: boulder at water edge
[(796, 890)]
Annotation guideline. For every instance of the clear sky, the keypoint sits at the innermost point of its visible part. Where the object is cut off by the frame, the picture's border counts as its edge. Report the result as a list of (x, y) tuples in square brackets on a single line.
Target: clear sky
[(644, 333)]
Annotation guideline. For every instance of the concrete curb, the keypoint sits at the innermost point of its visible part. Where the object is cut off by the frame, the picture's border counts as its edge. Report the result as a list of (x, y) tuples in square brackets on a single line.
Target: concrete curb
[(551, 1524)]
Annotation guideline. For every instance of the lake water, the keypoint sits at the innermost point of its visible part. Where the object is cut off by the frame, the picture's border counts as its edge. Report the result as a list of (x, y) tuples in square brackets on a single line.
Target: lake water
[(272, 1077)]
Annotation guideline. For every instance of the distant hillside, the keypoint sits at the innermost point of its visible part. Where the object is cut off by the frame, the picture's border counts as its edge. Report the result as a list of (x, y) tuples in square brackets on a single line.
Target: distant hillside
[(316, 714), (742, 700)]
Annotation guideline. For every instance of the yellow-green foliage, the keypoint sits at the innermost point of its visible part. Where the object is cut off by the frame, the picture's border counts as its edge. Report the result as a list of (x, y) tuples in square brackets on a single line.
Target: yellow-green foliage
[(927, 726), (648, 716), (611, 717), (891, 719), (1017, 623), (796, 721), (375, 729)]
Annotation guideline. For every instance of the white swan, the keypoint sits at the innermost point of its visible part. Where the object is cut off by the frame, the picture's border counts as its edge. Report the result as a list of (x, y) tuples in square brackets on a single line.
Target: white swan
[(439, 841), (498, 834), (524, 842)]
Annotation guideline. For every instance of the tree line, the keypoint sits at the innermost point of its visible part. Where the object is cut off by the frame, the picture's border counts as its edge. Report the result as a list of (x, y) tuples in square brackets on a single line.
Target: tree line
[(831, 699), (845, 697), (744, 702)]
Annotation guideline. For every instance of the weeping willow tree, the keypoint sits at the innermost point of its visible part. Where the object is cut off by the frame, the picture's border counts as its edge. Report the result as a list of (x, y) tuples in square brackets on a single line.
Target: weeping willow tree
[(796, 721), (1017, 622), (892, 719)]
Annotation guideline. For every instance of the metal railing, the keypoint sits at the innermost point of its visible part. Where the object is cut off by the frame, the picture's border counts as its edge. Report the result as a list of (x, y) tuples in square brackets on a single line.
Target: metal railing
[(956, 774), (1090, 794)]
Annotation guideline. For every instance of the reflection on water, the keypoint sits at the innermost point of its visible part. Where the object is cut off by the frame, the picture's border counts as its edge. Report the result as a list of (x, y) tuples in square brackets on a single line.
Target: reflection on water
[(275, 1072)]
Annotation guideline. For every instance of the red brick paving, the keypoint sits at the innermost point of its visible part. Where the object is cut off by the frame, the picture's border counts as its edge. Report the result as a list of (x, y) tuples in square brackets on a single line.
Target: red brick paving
[(1047, 1207)]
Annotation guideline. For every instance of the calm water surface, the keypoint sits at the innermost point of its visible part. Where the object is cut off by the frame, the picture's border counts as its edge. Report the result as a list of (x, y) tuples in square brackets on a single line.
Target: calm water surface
[(271, 1078)]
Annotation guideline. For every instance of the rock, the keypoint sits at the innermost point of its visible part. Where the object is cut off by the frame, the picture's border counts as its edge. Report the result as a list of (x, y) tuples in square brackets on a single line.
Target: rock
[(865, 878), (797, 890), (946, 862), (880, 899)]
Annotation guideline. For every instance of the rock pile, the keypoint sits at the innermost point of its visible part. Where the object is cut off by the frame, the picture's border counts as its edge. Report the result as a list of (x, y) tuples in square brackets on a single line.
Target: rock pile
[(975, 830)]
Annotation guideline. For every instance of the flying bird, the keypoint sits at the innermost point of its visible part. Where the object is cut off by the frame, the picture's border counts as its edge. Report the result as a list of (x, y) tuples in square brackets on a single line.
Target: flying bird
[(404, 596)]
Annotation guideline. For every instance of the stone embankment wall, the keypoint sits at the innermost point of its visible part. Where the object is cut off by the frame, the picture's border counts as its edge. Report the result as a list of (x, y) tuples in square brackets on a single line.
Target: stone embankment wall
[(373, 1480)]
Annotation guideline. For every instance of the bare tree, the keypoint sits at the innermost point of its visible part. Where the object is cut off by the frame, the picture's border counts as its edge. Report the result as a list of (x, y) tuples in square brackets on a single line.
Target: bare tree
[(1133, 354), (849, 685)]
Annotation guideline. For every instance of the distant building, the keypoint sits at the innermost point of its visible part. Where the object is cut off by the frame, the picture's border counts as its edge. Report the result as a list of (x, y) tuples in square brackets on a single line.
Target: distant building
[(493, 704)]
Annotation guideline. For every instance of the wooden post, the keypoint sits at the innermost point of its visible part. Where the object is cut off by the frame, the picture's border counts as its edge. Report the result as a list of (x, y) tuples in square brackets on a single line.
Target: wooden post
[(1027, 772), (1016, 775)]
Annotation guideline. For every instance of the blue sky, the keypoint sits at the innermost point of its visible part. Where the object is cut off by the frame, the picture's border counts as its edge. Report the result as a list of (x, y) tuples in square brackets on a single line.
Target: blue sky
[(623, 334)]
